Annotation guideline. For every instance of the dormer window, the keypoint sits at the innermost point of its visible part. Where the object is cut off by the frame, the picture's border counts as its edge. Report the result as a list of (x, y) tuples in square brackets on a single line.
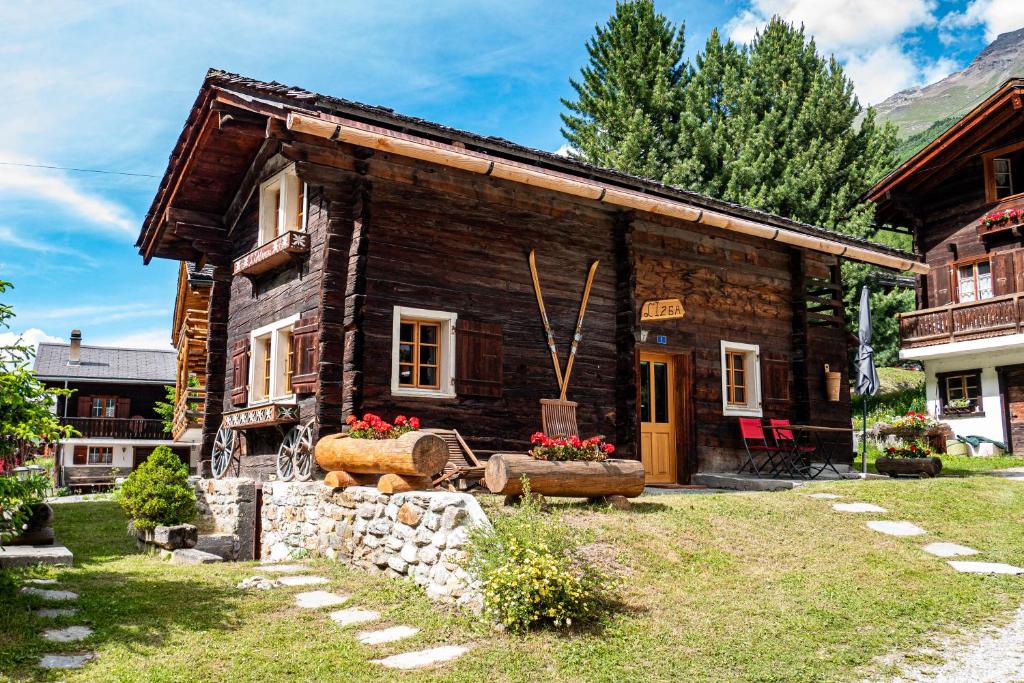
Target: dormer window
[(1004, 172), (283, 205)]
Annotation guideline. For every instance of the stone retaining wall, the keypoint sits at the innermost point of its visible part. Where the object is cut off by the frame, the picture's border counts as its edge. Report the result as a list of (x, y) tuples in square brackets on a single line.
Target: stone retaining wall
[(226, 516), (420, 535)]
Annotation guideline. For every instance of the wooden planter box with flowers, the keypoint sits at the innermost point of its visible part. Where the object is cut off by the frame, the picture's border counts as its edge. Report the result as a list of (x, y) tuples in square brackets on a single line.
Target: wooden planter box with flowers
[(393, 456), (912, 460), (570, 467), (1001, 221)]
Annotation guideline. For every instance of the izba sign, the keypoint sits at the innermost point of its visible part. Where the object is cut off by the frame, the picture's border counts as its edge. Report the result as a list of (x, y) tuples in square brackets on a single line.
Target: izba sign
[(661, 309)]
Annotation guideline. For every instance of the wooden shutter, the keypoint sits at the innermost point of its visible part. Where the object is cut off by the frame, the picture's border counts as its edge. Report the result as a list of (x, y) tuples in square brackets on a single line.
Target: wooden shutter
[(123, 407), (945, 286), (478, 359), (81, 455), (1002, 273), (775, 382), (240, 372), (84, 406), (1018, 270), (307, 354)]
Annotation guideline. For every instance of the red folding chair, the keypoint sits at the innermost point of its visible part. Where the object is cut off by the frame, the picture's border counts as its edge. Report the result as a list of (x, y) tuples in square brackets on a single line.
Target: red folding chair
[(798, 454), (756, 444)]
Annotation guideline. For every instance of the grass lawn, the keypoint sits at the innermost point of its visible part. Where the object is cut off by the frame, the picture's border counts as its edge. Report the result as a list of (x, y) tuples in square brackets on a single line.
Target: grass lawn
[(752, 587), (955, 465)]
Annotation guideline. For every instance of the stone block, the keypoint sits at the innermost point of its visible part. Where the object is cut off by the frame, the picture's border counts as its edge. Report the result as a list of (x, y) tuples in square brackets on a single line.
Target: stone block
[(394, 542), (423, 536), (192, 556), (409, 514), (29, 555), (428, 554), (222, 545), (397, 564), (409, 553), (432, 521), (452, 517)]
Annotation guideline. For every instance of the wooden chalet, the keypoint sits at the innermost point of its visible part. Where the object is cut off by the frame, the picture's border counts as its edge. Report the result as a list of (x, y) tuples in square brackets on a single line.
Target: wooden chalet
[(361, 260), (962, 198)]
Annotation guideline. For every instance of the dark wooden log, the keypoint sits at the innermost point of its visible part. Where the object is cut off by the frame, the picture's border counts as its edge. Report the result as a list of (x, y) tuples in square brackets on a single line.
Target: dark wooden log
[(922, 467), (504, 473)]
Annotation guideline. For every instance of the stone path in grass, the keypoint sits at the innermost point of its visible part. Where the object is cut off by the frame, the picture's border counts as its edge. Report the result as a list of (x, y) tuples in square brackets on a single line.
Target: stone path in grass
[(67, 634)]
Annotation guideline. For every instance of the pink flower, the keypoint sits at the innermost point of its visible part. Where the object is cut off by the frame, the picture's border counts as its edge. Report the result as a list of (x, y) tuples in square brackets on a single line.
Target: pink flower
[(414, 422)]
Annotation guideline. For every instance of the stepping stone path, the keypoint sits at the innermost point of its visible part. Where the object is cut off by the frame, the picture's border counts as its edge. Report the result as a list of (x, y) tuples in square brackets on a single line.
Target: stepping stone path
[(318, 599), (258, 582), (948, 550), (47, 594), (422, 658), (283, 568), (896, 528), (64, 661), (823, 496), (985, 567), (302, 580), (857, 507), (42, 582), (387, 635), (69, 634), (353, 615), (50, 612)]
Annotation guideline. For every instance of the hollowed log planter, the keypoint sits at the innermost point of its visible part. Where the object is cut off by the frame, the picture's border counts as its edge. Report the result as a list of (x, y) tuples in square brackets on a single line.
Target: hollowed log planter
[(921, 467), (407, 462), (580, 479)]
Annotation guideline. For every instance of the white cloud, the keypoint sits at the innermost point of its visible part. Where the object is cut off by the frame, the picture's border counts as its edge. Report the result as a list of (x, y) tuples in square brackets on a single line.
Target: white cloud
[(155, 338), (868, 36), (101, 312), (997, 16), (11, 238), (30, 337)]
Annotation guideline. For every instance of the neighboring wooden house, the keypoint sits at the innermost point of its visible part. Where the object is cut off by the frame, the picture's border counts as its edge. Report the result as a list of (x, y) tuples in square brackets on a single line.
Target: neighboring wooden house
[(967, 328), (189, 333), (366, 261), (111, 408)]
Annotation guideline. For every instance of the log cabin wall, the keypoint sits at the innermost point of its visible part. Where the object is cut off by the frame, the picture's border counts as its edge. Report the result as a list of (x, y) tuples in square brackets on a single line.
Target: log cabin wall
[(141, 397)]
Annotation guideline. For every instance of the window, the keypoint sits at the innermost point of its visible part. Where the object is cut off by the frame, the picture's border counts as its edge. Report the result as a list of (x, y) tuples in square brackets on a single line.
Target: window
[(960, 392), (101, 455), (974, 281), (1004, 172), (423, 353), (283, 205), (741, 379), (273, 361), (104, 407)]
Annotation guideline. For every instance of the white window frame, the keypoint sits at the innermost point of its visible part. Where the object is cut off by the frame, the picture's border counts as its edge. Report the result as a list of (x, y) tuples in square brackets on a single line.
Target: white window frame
[(752, 372), (88, 455), (446, 353), (277, 331), (287, 182)]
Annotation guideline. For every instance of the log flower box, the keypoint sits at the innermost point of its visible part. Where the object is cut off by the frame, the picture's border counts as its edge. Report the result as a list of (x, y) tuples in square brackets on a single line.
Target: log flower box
[(910, 460), (278, 251)]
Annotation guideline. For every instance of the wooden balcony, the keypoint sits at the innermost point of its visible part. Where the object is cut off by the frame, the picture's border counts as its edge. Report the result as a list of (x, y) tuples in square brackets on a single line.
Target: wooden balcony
[(287, 248), (962, 322), (118, 427), (188, 412)]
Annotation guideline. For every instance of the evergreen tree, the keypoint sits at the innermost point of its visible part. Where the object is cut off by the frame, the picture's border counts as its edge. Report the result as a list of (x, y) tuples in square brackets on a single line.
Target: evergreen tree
[(626, 112)]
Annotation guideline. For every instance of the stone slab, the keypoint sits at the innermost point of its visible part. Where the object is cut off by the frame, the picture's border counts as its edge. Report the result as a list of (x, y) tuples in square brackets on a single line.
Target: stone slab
[(41, 582), (948, 550), (303, 580), (823, 496), (423, 658), (53, 612), (222, 545), (353, 615), (896, 528), (741, 482), (192, 556), (387, 635), (29, 555), (48, 594), (64, 661), (69, 634), (283, 568), (857, 507), (985, 567), (318, 599)]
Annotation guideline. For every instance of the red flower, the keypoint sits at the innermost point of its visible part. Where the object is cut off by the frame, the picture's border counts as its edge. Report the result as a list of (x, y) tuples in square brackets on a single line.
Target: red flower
[(382, 427), (350, 419), (608, 448), (400, 420), (414, 422), (359, 424)]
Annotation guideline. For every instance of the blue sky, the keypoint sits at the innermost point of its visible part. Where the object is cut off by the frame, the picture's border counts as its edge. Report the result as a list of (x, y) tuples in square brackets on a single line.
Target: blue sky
[(107, 85)]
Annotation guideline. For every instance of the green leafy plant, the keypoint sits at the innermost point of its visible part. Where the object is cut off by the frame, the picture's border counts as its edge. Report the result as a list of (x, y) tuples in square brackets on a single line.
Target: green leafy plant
[(912, 450), (18, 497), (158, 492), (165, 409), (531, 573), (959, 403)]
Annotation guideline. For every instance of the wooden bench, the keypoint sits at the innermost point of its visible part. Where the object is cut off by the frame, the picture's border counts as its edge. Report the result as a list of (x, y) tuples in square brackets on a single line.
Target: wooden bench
[(91, 478)]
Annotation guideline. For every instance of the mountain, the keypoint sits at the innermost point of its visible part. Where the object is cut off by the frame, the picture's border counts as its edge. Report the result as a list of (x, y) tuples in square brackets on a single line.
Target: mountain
[(922, 113)]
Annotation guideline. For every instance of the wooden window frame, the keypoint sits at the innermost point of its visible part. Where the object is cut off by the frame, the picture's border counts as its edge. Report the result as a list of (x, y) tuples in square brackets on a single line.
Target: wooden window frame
[(446, 322), (268, 366), (105, 402), (990, 176), (88, 455), (291, 210), (751, 353), (942, 382), (957, 265)]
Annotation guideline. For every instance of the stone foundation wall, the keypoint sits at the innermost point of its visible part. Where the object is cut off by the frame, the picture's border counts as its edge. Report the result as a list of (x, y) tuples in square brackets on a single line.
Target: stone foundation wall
[(226, 516), (419, 535)]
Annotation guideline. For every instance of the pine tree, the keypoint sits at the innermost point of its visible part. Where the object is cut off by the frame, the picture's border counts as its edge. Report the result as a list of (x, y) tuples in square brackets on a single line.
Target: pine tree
[(626, 112)]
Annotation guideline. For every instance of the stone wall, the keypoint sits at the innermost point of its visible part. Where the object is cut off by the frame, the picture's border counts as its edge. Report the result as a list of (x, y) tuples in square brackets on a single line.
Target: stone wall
[(226, 516), (419, 535)]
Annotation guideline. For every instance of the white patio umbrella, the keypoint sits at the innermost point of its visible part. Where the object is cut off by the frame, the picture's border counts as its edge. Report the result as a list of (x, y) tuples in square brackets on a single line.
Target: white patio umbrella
[(867, 375)]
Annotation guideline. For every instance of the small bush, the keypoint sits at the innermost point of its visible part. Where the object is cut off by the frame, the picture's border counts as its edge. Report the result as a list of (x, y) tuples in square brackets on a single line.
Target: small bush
[(531, 572), (158, 492), (18, 497)]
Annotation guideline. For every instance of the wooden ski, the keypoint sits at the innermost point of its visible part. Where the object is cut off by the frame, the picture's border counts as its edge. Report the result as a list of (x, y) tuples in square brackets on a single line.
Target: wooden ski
[(578, 335), (544, 318)]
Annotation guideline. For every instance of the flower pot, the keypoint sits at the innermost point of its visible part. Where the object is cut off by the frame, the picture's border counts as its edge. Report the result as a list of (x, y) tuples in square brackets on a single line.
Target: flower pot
[(920, 467)]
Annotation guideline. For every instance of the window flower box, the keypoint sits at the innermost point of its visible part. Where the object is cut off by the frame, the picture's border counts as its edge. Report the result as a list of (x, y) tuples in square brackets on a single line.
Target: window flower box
[(286, 248)]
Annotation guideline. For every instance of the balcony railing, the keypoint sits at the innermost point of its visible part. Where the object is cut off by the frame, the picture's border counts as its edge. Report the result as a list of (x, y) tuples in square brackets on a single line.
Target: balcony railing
[(188, 412), (962, 322), (118, 427)]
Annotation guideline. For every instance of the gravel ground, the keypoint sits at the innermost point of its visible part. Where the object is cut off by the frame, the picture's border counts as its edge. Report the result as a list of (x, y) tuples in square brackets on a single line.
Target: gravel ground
[(997, 656)]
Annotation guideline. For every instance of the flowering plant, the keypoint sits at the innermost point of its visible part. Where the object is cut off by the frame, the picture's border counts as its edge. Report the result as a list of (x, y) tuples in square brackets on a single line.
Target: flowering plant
[(373, 427), (911, 451), (914, 421), (569, 448), (1000, 217)]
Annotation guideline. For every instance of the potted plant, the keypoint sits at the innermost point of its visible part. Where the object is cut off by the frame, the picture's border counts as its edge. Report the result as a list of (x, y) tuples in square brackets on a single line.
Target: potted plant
[(959, 406), (909, 459), (24, 515), (909, 427)]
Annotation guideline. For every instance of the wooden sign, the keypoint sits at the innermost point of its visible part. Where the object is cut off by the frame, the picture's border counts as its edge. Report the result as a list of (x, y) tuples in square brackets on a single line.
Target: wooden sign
[(661, 309)]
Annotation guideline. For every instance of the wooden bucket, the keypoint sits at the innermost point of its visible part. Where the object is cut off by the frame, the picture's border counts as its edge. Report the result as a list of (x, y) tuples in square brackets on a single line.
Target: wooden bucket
[(833, 382)]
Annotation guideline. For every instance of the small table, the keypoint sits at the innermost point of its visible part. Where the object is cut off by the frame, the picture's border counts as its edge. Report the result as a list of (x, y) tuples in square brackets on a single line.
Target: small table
[(810, 440)]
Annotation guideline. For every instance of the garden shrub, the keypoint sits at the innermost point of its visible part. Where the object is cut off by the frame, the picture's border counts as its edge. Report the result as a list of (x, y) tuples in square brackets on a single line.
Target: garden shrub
[(158, 492), (531, 573), (18, 496)]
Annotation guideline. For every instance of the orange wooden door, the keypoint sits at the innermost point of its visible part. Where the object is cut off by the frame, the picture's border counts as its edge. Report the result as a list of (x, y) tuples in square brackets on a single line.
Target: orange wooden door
[(658, 417)]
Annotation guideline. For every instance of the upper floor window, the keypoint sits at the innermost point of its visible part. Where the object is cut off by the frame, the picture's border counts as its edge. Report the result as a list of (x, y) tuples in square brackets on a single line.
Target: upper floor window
[(1004, 172), (974, 281), (283, 205), (104, 407), (273, 361)]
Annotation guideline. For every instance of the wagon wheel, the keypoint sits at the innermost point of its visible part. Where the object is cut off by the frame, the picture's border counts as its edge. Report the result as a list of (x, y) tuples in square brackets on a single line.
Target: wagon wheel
[(225, 446), (295, 456)]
